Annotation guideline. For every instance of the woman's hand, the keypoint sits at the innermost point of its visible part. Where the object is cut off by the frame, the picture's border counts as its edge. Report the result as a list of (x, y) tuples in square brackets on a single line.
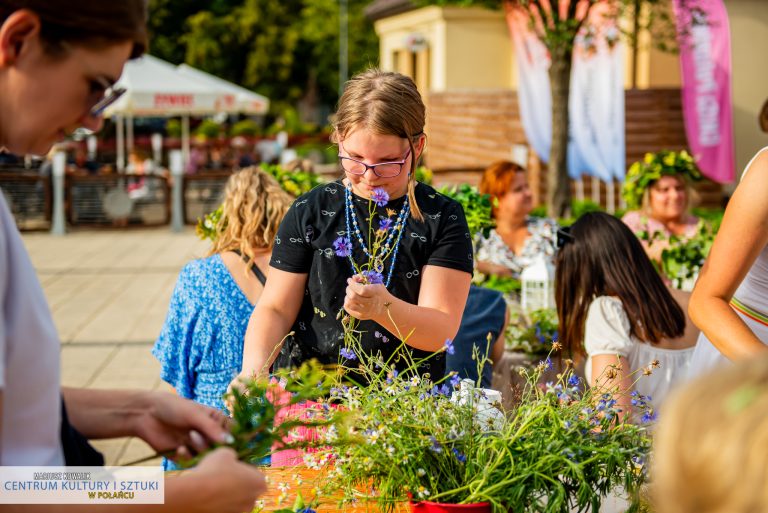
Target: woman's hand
[(169, 422), (363, 301)]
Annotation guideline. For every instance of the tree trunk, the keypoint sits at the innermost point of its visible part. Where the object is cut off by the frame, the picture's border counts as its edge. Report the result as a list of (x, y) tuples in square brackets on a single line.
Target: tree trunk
[(558, 186)]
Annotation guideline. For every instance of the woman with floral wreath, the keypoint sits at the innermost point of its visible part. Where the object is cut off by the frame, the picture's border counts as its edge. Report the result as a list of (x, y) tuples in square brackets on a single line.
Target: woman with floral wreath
[(658, 192), (416, 289)]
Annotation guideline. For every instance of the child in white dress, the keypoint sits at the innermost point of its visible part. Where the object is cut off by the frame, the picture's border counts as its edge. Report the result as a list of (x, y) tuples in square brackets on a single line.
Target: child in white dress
[(615, 309)]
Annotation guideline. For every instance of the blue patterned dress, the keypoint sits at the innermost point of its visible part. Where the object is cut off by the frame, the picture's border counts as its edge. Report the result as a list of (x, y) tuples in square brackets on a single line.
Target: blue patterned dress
[(200, 347)]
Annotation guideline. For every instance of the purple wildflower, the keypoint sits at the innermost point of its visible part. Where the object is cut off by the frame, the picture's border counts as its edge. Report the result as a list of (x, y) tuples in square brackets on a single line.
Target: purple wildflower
[(648, 417), (380, 197), (384, 339), (573, 381), (455, 380), (385, 223), (373, 278), (342, 247), (347, 353), (436, 447), (449, 346), (459, 456)]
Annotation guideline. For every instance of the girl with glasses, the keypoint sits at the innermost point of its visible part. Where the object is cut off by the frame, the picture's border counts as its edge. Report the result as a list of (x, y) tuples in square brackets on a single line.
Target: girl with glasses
[(58, 60), (615, 310), (422, 284)]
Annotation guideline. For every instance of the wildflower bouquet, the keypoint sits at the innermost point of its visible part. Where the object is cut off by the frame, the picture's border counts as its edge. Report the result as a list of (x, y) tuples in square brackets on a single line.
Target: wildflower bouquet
[(563, 448)]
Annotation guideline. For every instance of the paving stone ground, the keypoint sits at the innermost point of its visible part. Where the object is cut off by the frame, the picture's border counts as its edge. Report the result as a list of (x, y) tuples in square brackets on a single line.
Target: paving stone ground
[(109, 293)]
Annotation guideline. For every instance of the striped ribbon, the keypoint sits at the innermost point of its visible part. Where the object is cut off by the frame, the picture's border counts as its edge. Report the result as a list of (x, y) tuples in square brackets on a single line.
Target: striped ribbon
[(749, 312)]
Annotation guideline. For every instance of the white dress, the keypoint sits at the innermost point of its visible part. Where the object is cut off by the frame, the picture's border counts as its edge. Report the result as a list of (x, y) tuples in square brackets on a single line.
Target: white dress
[(753, 293), (607, 331)]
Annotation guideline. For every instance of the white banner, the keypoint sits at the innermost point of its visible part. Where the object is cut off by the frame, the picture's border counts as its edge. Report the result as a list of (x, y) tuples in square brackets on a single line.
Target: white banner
[(82, 485), (596, 104)]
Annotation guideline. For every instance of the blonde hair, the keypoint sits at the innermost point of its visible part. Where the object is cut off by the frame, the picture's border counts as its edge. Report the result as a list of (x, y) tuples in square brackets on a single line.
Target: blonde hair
[(709, 448), (254, 204), (386, 103)]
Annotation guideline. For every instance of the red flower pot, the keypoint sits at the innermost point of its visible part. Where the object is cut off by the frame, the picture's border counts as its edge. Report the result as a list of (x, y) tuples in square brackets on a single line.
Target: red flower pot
[(438, 507)]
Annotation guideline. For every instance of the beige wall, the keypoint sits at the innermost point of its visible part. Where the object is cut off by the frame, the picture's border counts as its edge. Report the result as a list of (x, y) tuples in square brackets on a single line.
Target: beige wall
[(749, 47), (468, 47)]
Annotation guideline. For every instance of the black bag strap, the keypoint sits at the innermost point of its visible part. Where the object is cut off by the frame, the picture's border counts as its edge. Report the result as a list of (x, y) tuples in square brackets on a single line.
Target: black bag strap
[(254, 269)]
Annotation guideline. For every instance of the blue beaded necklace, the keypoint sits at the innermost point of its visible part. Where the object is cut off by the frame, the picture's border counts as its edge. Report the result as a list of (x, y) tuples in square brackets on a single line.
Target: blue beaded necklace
[(399, 228)]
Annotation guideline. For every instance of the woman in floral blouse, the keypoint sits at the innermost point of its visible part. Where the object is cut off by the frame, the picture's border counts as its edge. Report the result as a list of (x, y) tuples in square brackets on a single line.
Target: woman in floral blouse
[(518, 238)]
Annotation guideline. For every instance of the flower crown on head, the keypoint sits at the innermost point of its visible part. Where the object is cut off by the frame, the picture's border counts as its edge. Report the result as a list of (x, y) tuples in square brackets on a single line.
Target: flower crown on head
[(643, 173)]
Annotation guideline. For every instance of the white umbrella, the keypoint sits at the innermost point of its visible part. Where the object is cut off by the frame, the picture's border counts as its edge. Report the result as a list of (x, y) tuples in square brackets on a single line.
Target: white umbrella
[(234, 98), (157, 88)]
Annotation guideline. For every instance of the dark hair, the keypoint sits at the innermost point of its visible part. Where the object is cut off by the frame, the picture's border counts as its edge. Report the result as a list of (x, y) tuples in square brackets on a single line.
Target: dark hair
[(604, 258), (85, 22)]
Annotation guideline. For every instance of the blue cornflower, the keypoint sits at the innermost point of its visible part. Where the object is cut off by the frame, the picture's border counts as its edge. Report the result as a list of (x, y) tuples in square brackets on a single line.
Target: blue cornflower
[(385, 223), (459, 456), (444, 390), (373, 278), (347, 353), (546, 364), (436, 447), (455, 380), (342, 247), (648, 417), (449, 346), (573, 381), (380, 197)]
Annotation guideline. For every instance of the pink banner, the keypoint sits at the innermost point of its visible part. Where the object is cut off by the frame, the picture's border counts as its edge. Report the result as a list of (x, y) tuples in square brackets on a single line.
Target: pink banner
[(705, 62)]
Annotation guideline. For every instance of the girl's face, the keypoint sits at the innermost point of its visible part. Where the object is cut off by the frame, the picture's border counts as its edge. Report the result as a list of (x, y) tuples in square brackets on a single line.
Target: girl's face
[(371, 148), (518, 201), (46, 97), (668, 199)]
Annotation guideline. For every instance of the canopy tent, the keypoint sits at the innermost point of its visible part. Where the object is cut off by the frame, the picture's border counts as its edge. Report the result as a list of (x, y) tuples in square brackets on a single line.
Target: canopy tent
[(234, 97), (158, 88)]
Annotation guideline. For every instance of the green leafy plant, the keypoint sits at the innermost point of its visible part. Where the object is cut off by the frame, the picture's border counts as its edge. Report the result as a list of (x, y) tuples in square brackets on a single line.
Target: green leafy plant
[(208, 129), (504, 284), (424, 175), (294, 183), (644, 173), (173, 128), (477, 207), (244, 127), (532, 333), (684, 257)]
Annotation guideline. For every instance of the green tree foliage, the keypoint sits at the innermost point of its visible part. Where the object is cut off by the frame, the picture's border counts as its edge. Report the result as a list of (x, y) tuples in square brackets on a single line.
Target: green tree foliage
[(279, 48)]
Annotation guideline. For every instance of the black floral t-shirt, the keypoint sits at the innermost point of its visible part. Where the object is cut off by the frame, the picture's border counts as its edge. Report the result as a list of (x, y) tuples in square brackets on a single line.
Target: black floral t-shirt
[(304, 244)]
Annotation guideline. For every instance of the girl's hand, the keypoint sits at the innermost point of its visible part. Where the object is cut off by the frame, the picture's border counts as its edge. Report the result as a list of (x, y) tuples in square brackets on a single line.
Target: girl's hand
[(365, 302)]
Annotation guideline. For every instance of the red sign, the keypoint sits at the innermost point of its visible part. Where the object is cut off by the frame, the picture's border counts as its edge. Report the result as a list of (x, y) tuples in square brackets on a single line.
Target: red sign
[(174, 100)]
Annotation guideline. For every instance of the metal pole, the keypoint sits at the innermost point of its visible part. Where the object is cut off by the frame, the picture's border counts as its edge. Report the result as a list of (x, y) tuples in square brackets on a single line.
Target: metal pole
[(176, 162), (185, 140), (58, 224), (343, 45), (120, 143)]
